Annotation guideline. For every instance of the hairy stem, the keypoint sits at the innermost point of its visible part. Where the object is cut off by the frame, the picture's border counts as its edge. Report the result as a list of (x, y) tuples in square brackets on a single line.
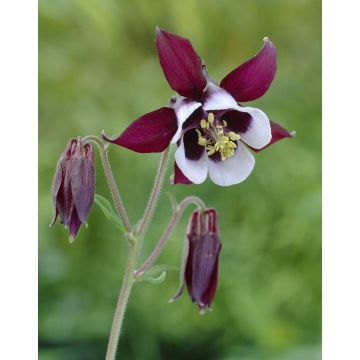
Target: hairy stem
[(154, 195), (133, 239), (178, 211), (110, 179), (126, 286)]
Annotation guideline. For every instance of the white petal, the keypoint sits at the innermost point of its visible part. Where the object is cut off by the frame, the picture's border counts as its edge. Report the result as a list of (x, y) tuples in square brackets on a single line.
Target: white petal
[(258, 134), (195, 170), (218, 99), (232, 170), (183, 109)]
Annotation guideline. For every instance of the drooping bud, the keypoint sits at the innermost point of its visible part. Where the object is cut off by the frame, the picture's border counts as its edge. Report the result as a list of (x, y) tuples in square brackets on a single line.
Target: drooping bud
[(73, 187), (201, 257)]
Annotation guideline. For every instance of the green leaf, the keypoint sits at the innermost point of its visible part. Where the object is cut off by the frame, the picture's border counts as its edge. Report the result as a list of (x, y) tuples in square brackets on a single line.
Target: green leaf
[(157, 269), (108, 211), (156, 274), (155, 280)]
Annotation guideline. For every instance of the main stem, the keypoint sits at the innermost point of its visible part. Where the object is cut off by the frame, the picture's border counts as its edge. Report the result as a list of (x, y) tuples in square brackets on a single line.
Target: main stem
[(135, 237), (126, 286), (135, 241)]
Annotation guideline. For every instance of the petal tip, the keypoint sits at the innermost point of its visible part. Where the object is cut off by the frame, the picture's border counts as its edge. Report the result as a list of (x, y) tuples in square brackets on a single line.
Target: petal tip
[(53, 221), (105, 137), (177, 295), (267, 40), (292, 133), (161, 32), (158, 30)]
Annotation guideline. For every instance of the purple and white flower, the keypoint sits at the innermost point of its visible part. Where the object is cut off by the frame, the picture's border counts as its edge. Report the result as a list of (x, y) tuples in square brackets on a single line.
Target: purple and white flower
[(212, 131)]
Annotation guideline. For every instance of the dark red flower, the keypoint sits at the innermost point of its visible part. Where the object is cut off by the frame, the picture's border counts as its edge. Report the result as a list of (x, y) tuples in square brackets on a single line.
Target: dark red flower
[(201, 258), (73, 187), (212, 131)]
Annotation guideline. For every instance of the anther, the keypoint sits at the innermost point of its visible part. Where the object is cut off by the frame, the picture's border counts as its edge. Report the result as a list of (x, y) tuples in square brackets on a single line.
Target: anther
[(211, 118), (203, 123)]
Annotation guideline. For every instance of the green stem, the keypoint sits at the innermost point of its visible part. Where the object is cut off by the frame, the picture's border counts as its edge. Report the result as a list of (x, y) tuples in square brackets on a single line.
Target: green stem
[(110, 179), (154, 195), (126, 286), (135, 245), (134, 240), (177, 213)]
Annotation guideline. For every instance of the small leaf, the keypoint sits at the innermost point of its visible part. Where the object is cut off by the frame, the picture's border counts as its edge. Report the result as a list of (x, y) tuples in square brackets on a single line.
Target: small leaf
[(158, 269), (156, 274), (108, 211), (154, 280)]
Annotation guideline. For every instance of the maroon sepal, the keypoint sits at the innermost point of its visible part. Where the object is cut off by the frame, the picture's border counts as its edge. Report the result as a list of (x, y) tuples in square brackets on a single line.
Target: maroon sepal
[(278, 133), (151, 132), (179, 177), (181, 64), (253, 78)]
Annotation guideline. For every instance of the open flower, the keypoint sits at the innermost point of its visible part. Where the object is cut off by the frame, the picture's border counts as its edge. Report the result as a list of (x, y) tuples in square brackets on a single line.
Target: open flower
[(73, 187), (201, 259), (212, 131)]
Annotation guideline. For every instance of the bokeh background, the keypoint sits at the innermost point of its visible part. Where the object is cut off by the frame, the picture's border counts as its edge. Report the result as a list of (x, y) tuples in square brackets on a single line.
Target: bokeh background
[(98, 69)]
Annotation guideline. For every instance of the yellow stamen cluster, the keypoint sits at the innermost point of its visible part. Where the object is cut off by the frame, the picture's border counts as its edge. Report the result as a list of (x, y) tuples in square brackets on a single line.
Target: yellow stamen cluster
[(216, 139)]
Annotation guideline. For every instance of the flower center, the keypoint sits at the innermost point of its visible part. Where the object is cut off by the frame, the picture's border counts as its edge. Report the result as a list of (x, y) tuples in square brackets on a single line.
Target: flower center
[(215, 138)]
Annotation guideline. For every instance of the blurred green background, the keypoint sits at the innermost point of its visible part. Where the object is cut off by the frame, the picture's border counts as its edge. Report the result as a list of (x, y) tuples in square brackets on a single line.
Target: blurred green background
[(98, 69)]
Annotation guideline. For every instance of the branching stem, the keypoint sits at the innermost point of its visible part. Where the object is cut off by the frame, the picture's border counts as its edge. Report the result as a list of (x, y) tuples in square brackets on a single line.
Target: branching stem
[(135, 236), (178, 211)]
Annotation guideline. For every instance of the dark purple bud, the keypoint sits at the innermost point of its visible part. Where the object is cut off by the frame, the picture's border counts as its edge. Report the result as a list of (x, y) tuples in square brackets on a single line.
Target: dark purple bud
[(202, 257), (74, 185), (60, 200)]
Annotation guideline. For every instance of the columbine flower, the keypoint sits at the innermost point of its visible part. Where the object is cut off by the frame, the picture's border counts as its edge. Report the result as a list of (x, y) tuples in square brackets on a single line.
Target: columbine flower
[(201, 258), (204, 119), (73, 187)]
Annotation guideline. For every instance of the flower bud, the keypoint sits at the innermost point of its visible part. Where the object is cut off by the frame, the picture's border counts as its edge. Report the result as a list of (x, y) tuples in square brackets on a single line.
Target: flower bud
[(73, 187), (201, 256)]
